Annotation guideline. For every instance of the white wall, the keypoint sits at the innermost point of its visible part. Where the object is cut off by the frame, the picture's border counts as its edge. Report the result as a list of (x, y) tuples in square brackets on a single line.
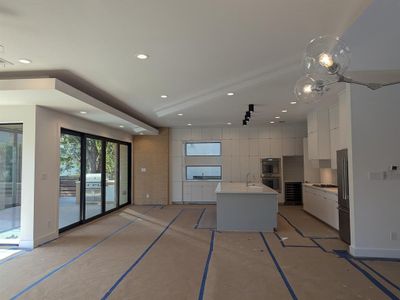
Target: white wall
[(374, 145), (40, 165), (242, 150)]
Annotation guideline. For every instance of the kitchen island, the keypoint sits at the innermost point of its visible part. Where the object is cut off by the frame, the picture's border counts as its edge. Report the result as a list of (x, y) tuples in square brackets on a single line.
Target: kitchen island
[(246, 208)]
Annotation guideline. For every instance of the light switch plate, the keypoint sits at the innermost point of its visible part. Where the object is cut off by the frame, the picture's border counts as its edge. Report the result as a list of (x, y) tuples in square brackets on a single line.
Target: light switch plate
[(143, 170)]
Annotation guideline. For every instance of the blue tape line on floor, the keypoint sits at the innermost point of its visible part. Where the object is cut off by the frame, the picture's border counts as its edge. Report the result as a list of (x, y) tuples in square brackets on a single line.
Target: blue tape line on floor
[(286, 281), (347, 257), (397, 287), (120, 279), (302, 234), (198, 221), (206, 266), (291, 246), (55, 270)]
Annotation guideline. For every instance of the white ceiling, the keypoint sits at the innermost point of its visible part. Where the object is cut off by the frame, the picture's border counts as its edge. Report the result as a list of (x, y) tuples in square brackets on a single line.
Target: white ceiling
[(199, 50)]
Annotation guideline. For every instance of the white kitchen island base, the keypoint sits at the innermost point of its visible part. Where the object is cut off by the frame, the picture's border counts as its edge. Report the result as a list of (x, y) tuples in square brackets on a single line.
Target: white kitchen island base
[(246, 208)]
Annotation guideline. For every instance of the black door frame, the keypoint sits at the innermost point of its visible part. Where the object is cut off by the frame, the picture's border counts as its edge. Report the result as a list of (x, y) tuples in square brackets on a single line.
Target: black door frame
[(83, 136)]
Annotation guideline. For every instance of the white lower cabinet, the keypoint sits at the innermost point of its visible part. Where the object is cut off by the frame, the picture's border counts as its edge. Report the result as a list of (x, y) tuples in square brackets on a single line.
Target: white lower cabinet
[(321, 204), (198, 191)]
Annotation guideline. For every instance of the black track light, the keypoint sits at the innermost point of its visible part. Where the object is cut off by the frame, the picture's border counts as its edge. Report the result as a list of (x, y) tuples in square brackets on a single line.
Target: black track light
[(251, 108), (248, 114), (244, 122)]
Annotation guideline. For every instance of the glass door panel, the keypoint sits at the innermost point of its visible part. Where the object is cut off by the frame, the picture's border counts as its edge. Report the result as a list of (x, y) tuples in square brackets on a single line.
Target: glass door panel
[(123, 174), (111, 175), (70, 180), (94, 170), (10, 182)]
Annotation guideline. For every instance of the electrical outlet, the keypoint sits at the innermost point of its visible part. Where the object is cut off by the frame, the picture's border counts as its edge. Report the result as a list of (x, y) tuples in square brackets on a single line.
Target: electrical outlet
[(143, 170), (393, 236), (147, 196)]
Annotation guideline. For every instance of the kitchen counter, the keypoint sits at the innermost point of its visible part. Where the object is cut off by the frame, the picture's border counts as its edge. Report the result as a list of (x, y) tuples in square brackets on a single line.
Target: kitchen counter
[(329, 190), (245, 208), (242, 188)]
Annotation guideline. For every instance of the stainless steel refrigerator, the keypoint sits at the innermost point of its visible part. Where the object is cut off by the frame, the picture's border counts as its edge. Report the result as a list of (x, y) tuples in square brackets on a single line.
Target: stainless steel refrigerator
[(343, 195)]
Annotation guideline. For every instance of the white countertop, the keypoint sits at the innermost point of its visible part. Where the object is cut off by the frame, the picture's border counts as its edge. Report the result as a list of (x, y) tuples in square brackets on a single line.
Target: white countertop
[(241, 188), (329, 190)]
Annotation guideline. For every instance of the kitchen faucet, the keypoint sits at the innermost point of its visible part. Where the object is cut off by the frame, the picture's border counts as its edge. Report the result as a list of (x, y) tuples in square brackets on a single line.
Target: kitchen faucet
[(247, 179)]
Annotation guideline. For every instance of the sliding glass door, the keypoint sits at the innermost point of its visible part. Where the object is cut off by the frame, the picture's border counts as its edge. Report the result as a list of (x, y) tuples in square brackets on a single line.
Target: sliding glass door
[(111, 175), (10, 182), (69, 201), (94, 176)]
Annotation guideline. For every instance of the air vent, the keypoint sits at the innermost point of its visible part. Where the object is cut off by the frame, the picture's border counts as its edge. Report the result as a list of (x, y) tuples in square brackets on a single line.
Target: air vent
[(5, 63)]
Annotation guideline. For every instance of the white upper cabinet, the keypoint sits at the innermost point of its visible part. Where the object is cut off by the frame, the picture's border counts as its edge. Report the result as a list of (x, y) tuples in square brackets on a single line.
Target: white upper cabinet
[(334, 132), (334, 116), (318, 134)]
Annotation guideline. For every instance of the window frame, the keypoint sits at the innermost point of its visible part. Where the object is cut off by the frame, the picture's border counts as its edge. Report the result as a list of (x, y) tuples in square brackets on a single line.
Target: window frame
[(200, 166), (203, 142), (83, 138)]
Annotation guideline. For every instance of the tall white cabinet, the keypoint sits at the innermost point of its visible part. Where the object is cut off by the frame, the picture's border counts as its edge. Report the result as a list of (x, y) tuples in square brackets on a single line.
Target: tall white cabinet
[(318, 134)]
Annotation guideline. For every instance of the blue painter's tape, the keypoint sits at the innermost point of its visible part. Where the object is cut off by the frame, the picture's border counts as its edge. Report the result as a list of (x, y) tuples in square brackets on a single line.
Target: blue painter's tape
[(55, 270), (291, 246), (12, 257), (302, 234), (286, 281), (198, 221), (346, 256), (137, 261), (397, 287), (206, 266)]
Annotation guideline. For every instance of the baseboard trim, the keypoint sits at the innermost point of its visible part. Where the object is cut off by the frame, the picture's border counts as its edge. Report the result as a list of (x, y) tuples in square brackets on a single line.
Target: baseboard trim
[(374, 252), (46, 238)]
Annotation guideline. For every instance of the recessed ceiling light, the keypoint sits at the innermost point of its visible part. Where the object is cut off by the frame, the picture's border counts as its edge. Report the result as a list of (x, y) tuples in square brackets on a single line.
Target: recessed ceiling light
[(164, 96), (293, 102), (121, 126), (277, 117), (284, 110), (24, 61), (189, 124), (230, 94), (272, 122), (180, 114), (229, 123), (141, 133), (142, 56), (83, 112)]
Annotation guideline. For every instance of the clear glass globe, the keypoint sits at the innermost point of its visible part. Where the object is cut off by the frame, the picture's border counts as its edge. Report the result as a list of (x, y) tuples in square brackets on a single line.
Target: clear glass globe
[(309, 90), (326, 55)]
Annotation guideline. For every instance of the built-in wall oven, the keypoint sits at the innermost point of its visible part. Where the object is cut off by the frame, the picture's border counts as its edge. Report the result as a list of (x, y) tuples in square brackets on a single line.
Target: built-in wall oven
[(271, 173)]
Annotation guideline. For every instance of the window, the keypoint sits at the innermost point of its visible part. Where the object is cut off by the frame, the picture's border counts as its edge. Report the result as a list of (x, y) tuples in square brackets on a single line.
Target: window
[(94, 177), (203, 172), (203, 149)]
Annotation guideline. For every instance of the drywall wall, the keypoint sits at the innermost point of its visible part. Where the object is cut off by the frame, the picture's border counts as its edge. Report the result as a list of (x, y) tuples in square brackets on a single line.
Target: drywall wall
[(374, 145), (293, 169), (27, 116), (242, 151), (151, 168)]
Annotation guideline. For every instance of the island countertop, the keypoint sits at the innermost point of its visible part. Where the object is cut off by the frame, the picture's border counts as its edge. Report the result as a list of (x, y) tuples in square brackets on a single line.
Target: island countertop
[(242, 188)]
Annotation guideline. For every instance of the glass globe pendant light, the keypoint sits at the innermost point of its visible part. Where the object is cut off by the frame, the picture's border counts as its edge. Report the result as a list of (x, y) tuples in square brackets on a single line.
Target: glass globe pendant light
[(326, 55), (309, 90)]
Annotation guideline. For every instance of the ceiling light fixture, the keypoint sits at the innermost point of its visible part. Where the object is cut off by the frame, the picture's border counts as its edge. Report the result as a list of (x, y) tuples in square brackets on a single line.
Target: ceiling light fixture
[(141, 133), (24, 61), (230, 94), (325, 62), (164, 96), (293, 102), (83, 112), (229, 123), (142, 56), (244, 122), (189, 124), (277, 117), (121, 126), (272, 122), (284, 110), (180, 114)]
